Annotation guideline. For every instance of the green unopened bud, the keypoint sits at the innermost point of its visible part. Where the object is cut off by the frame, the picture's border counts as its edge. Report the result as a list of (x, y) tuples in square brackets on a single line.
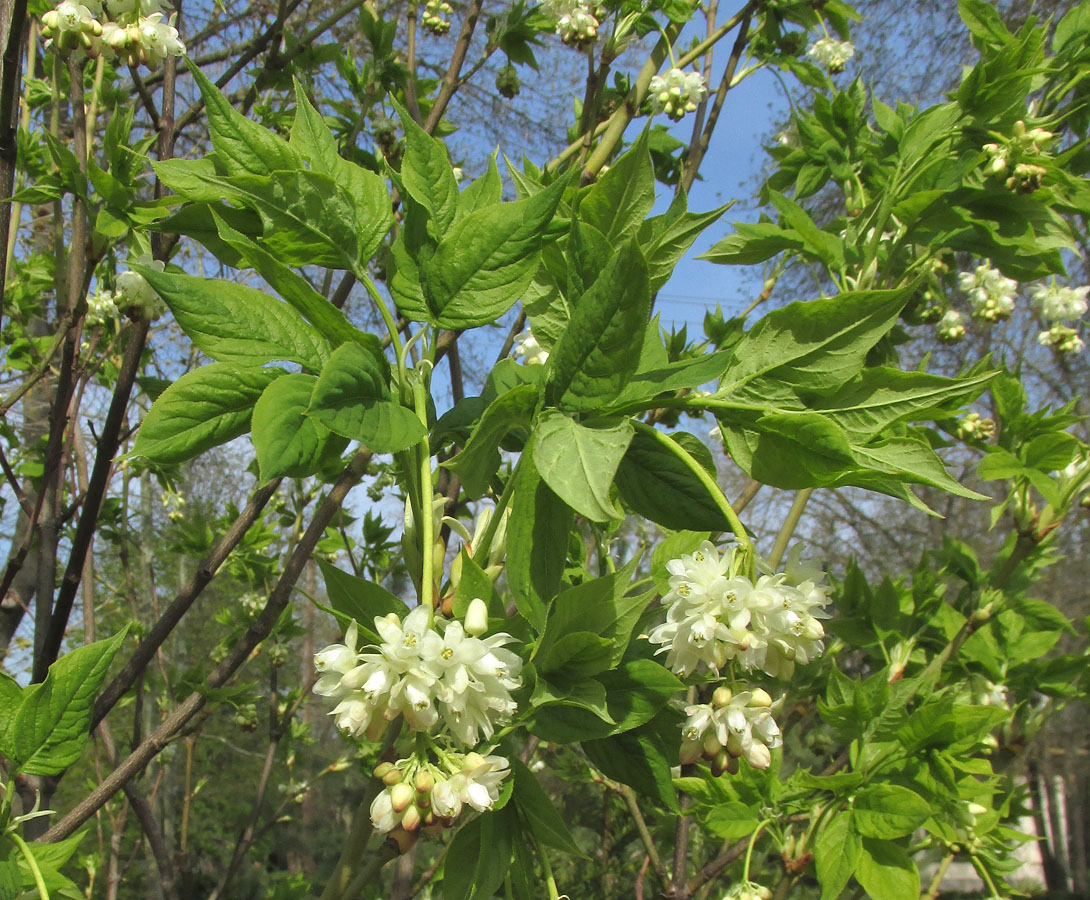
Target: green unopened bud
[(476, 620), (424, 782), (711, 744), (393, 776)]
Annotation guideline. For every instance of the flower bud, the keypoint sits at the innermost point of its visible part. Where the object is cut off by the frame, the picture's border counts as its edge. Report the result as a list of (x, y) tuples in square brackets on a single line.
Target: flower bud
[(392, 776), (721, 763), (721, 697), (691, 751), (424, 782), (711, 744), (401, 795), (760, 698), (476, 620), (411, 820)]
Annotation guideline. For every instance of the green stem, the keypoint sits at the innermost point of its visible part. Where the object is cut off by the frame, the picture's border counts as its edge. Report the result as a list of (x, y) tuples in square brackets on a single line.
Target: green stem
[(749, 850), (5, 809), (547, 870), (427, 517), (712, 487), (983, 873), (484, 545), (384, 311), (789, 525), (28, 855)]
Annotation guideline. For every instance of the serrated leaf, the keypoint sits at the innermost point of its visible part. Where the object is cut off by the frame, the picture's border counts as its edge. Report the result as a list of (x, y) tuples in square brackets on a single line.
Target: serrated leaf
[(357, 598), (236, 324), (287, 442), (617, 203), (203, 409), (836, 852), (888, 811), (886, 872), (427, 175)]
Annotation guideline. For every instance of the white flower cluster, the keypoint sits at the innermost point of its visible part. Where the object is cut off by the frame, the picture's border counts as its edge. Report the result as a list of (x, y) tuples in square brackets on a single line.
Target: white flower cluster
[(133, 30), (1060, 304), (424, 671), (435, 16), (714, 616), (101, 308), (421, 794), (576, 22), (990, 293), (1061, 339), (748, 890), (951, 327), (831, 53), (731, 726), (677, 92), (529, 350)]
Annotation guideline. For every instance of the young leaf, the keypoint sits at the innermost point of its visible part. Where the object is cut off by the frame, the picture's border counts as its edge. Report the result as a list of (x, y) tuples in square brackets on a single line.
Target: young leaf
[(351, 398), (233, 323), (537, 810), (578, 461), (885, 870), (486, 261), (427, 176), (203, 409), (480, 856), (593, 360), (835, 854), (617, 203), (358, 599), (888, 811), (287, 442), (50, 727)]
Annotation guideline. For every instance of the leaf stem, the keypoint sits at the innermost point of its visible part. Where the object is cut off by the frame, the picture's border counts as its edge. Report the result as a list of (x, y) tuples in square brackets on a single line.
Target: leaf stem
[(547, 870), (484, 545), (427, 518), (794, 514), (712, 487), (749, 849), (387, 317), (28, 855)]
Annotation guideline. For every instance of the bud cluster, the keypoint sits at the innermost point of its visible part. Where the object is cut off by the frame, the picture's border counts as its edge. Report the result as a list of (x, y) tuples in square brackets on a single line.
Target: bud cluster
[(423, 795), (132, 30), (1060, 304), (990, 293), (435, 16), (831, 53), (716, 614), (1062, 339), (577, 22), (951, 327), (425, 670), (975, 428), (732, 726), (1010, 156), (677, 92)]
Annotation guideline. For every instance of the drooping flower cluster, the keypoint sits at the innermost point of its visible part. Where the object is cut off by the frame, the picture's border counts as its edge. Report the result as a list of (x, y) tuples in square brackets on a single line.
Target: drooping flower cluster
[(1062, 339), (951, 327), (576, 21), (421, 794), (425, 671), (1060, 304), (529, 350), (677, 92), (133, 30), (714, 616), (748, 890), (831, 53), (990, 293), (435, 16), (730, 727)]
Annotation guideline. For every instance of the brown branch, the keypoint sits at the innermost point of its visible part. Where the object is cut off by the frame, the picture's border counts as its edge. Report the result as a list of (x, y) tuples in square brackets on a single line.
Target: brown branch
[(179, 606), (150, 827), (13, 31), (717, 865), (239, 653)]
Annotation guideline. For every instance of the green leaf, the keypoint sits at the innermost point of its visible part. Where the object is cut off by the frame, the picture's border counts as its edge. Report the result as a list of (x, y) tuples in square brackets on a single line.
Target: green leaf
[(888, 811), (10, 697), (358, 599), (233, 323), (635, 758), (480, 856), (295, 289), (479, 459), (287, 442), (351, 398), (578, 461), (617, 203), (485, 262), (427, 175), (655, 484), (819, 244), (537, 541), (241, 144), (911, 458), (636, 690), (836, 852), (578, 654), (51, 726), (886, 872), (665, 239), (485, 191), (730, 821), (752, 243), (814, 346), (594, 359), (537, 810), (203, 409)]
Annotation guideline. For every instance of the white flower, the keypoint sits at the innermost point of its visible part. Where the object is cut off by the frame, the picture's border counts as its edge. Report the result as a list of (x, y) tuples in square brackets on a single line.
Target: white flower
[(748, 890), (831, 53), (990, 294), (132, 290), (951, 328), (576, 22), (120, 10), (530, 351), (157, 39), (740, 724), (1060, 304), (713, 617), (1061, 339), (677, 92), (421, 671)]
